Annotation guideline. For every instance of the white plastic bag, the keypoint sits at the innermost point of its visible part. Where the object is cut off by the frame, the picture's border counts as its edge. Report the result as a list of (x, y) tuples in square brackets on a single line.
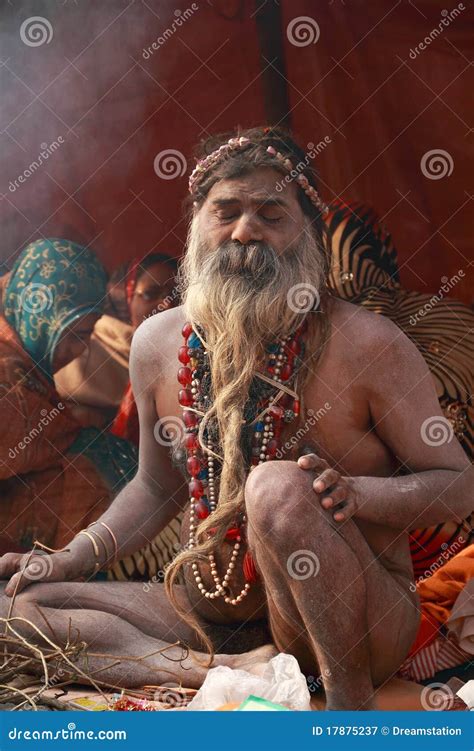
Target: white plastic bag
[(281, 682)]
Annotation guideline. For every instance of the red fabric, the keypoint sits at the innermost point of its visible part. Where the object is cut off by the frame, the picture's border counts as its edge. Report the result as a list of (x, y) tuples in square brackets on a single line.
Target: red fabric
[(384, 109), (441, 653), (131, 280), (250, 570), (129, 105), (356, 84), (428, 631), (126, 423)]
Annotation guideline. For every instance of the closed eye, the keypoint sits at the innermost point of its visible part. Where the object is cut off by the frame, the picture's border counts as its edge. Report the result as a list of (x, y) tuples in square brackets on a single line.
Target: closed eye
[(227, 218), (272, 220)]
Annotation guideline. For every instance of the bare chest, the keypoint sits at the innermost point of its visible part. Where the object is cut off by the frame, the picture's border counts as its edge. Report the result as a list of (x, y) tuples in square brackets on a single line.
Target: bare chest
[(335, 421)]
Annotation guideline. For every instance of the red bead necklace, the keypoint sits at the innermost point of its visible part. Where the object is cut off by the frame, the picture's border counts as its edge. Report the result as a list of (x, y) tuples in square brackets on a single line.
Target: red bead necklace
[(282, 405)]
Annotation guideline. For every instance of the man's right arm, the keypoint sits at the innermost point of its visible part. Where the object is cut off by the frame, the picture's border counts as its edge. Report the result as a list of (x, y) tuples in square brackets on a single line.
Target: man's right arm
[(143, 508), (157, 492)]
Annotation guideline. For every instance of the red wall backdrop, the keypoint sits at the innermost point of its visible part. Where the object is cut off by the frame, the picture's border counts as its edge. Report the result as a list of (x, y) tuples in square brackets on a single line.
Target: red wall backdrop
[(79, 86)]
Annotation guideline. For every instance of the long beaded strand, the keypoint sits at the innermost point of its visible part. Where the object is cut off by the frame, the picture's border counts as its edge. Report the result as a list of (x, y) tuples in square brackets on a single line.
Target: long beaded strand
[(280, 368)]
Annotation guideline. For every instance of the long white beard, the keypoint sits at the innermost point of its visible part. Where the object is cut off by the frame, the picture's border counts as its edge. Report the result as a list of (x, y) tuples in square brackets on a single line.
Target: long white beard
[(248, 291)]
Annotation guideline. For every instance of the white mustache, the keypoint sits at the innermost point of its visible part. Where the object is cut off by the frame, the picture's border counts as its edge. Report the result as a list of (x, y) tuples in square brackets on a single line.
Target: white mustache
[(252, 258)]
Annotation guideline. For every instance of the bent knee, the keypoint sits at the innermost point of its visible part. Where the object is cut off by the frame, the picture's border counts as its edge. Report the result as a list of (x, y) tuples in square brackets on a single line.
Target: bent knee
[(278, 498)]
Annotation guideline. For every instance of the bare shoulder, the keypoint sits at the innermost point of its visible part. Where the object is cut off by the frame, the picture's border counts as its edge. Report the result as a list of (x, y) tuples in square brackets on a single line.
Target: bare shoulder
[(152, 342), (371, 341), (355, 320)]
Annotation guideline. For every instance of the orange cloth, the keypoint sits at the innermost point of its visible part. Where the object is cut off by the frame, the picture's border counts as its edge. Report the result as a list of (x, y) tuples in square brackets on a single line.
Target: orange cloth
[(439, 592), (44, 493)]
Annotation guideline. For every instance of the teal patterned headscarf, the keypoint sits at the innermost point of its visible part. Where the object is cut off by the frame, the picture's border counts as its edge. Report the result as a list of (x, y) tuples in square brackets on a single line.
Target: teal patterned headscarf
[(52, 284)]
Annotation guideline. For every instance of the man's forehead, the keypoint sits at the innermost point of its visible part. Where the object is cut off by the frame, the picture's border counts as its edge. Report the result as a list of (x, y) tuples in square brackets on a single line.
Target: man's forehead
[(263, 185)]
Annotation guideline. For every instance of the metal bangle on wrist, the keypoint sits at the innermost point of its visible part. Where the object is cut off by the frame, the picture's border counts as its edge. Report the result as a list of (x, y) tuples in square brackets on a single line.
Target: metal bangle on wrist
[(92, 534)]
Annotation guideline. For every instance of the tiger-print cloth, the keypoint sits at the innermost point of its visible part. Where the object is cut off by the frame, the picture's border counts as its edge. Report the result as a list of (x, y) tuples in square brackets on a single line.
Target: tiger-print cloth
[(364, 271)]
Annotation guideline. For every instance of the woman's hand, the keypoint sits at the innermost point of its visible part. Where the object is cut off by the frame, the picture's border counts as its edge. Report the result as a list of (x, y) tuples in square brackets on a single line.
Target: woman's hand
[(23, 569), (335, 491)]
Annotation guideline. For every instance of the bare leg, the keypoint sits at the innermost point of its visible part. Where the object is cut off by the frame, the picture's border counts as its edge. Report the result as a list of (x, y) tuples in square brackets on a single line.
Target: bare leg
[(342, 614), (123, 628)]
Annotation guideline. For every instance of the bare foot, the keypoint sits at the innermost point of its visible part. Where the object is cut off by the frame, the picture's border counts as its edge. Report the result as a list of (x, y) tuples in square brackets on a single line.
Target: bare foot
[(253, 662)]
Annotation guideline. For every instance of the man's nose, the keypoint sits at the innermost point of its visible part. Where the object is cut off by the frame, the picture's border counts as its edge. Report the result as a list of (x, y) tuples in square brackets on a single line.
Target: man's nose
[(247, 230)]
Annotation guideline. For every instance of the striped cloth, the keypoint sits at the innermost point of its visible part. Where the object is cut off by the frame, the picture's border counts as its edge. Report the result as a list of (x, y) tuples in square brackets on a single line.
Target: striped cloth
[(149, 563), (364, 271), (441, 654)]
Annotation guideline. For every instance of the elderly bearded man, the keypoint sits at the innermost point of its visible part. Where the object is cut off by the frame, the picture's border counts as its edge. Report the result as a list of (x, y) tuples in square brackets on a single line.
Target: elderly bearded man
[(316, 544)]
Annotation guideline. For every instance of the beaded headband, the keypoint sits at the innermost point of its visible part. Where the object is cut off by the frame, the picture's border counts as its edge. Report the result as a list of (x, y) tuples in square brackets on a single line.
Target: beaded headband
[(232, 144)]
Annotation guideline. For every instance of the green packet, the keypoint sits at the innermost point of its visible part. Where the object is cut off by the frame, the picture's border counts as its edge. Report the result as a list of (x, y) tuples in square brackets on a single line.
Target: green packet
[(257, 704)]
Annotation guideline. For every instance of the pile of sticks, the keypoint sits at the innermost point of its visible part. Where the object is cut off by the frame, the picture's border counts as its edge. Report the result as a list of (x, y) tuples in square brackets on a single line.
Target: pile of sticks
[(28, 672)]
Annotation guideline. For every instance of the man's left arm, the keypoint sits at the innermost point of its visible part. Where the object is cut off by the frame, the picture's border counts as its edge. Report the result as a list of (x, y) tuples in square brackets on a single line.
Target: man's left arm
[(439, 482)]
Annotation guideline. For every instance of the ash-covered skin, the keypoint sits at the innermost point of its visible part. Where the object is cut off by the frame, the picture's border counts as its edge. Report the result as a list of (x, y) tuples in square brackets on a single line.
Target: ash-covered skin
[(178, 458), (355, 617)]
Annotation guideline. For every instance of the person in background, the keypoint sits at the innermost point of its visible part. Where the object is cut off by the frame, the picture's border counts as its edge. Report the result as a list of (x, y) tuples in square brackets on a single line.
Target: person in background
[(95, 382), (98, 382), (55, 477), (150, 288)]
